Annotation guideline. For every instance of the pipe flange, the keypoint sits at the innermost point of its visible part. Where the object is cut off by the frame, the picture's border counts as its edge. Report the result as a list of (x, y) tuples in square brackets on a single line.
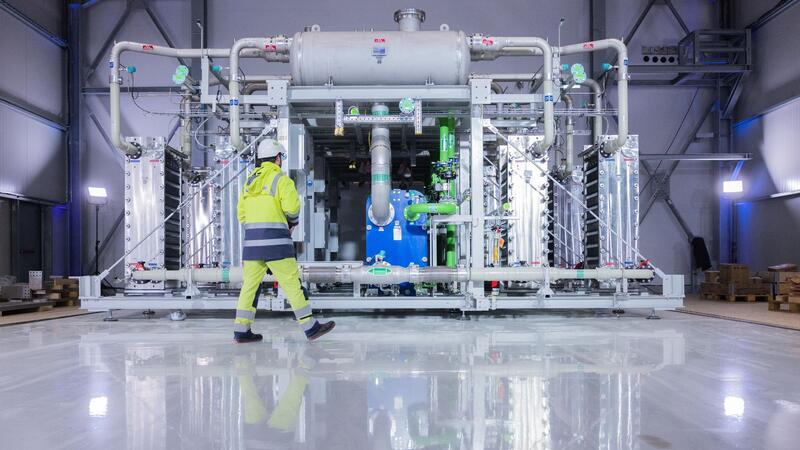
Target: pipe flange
[(388, 219), (136, 153), (409, 12)]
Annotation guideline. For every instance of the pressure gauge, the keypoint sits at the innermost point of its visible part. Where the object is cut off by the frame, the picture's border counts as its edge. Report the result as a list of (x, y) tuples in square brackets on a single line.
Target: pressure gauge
[(406, 105)]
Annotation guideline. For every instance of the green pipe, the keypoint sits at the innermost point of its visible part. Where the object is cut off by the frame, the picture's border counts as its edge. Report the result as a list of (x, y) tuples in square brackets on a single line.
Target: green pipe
[(450, 255), (444, 137), (413, 210)]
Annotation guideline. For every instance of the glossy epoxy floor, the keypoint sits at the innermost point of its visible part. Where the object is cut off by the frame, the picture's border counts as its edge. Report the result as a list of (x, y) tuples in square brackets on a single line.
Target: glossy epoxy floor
[(525, 382)]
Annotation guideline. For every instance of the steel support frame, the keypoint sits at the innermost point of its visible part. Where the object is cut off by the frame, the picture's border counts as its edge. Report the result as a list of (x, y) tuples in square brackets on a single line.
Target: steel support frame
[(776, 11), (675, 163), (32, 24), (101, 53), (646, 11), (474, 298), (117, 155), (75, 98), (33, 113), (476, 154), (697, 157), (597, 31)]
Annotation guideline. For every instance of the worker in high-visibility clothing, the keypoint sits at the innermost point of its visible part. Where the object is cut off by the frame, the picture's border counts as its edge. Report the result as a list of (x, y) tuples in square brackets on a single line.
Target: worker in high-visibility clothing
[(268, 209)]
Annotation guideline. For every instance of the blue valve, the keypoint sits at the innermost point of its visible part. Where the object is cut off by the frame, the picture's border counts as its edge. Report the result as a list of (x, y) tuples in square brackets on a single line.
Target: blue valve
[(565, 67), (606, 67), (216, 68), (131, 69)]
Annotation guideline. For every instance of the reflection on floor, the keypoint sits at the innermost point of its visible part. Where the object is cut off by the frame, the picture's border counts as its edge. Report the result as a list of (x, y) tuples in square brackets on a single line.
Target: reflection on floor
[(495, 382)]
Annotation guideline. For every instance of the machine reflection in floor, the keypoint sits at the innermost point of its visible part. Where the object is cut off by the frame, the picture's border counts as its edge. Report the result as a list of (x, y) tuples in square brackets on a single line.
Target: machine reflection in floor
[(495, 382)]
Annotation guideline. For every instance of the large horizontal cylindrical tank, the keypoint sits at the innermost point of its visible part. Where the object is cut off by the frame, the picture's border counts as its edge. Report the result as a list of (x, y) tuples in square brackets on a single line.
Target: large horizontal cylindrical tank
[(380, 58)]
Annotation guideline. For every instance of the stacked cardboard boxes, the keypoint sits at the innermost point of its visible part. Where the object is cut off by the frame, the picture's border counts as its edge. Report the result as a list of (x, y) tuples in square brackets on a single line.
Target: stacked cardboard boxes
[(62, 289), (732, 281)]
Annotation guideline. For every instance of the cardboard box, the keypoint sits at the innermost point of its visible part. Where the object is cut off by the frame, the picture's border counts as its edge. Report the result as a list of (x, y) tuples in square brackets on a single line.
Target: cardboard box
[(17, 291), (734, 273), (777, 277), (711, 276)]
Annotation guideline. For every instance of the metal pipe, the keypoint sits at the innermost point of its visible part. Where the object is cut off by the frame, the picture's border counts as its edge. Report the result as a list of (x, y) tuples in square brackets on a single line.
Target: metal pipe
[(115, 79), (385, 275), (508, 76), (480, 43), (186, 123), (277, 44), (597, 121), (380, 151), (569, 149), (413, 210), (518, 51), (409, 19), (622, 82)]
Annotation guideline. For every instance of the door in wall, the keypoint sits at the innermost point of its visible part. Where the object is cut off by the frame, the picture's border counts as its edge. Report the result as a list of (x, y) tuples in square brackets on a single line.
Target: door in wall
[(27, 226), (5, 236)]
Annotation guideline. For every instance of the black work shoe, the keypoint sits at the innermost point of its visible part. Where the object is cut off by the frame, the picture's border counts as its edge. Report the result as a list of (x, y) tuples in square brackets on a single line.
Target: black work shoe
[(247, 336), (319, 330)]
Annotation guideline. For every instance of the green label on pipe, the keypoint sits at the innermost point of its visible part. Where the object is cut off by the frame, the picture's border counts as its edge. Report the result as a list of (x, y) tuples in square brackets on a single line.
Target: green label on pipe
[(380, 177), (379, 271), (226, 275), (579, 273)]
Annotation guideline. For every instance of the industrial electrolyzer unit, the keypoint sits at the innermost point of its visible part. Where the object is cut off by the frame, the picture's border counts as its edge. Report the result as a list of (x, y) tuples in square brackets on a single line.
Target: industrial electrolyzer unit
[(425, 184)]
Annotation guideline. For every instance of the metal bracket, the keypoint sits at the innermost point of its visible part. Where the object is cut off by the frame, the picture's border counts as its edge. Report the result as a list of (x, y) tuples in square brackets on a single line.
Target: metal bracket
[(338, 128), (417, 117), (661, 185), (480, 91), (277, 92)]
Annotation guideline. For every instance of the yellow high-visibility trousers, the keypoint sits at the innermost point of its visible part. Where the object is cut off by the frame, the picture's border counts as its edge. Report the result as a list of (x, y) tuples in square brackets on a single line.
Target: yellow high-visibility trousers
[(287, 274)]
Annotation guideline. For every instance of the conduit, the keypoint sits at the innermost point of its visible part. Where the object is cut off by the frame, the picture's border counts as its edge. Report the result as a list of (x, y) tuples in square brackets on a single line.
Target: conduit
[(115, 80), (385, 275), (278, 44), (622, 81), (597, 121), (480, 44), (569, 148), (380, 150)]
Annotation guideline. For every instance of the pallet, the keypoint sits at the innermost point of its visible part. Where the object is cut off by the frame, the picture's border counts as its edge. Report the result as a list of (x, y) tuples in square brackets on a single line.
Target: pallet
[(18, 307), (64, 302), (793, 303), (751, 298)]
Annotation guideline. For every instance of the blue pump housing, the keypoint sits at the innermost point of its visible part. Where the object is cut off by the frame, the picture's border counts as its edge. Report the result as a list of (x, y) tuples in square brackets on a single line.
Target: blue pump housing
[(401, 242)]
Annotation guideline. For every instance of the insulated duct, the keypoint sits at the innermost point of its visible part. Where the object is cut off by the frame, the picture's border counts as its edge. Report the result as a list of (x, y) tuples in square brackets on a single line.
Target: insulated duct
[(115, 80), (381, 212), (569, 148), (277, 44), (597, 121), (483, 45), (386, 275), (622, 82)]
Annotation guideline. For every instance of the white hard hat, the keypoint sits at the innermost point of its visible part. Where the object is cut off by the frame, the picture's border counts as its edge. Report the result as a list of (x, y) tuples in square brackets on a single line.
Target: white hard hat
[(269, 148)]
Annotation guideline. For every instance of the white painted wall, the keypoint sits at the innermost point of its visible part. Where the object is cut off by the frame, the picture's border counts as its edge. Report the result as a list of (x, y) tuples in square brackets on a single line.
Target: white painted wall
[(47, 13), (30, 151), (655, 112)]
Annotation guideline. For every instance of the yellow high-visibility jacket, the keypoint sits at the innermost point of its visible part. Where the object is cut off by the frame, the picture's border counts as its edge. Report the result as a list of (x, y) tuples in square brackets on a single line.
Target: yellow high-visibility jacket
[(268, 206)]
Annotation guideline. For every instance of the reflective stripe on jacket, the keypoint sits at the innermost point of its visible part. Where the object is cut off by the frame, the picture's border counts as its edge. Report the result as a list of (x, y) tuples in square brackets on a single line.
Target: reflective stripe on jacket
[(268, 206)]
